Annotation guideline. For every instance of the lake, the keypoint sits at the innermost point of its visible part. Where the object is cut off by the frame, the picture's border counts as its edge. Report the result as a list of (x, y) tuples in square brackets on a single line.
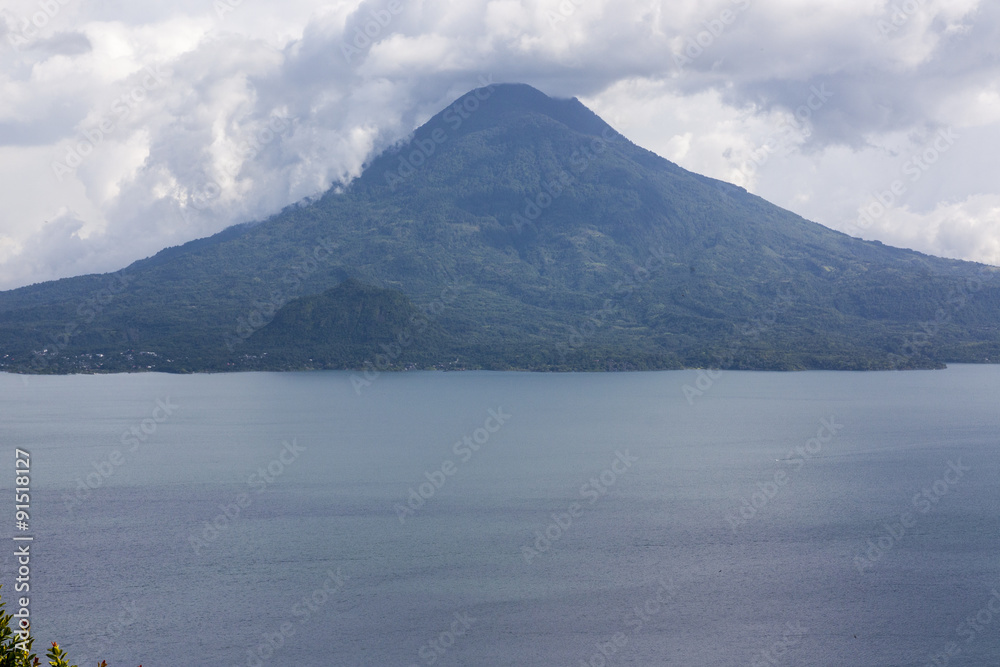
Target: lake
[(669, 518)]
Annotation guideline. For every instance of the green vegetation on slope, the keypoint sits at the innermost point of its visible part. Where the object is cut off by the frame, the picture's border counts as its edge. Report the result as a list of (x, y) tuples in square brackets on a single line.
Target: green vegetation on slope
[(557, 244)]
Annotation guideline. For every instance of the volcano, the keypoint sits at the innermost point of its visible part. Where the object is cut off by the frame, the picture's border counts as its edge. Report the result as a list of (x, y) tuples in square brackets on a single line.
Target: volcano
[(515, 231)]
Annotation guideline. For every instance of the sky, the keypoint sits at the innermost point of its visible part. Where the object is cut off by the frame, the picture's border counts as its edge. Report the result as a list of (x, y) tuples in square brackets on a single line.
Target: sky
[(129, 127)]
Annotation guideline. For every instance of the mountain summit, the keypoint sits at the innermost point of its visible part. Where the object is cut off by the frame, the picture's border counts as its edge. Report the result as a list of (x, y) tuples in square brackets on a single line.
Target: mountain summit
[(514, 230)]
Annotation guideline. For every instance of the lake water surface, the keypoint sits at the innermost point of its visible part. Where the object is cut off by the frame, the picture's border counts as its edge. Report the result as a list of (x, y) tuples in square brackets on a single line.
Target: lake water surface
[(512, 518)]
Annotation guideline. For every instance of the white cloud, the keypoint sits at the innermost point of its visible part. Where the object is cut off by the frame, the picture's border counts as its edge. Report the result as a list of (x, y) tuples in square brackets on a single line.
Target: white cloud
[(259, 107), (968, 229)]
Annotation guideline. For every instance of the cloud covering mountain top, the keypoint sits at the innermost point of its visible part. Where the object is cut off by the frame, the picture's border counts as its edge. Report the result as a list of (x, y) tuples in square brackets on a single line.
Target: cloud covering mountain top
[(125, 129)]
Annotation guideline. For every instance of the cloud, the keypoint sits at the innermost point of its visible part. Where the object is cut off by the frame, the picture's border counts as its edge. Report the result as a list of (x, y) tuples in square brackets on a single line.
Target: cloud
[(969, 229), (55, 245), (257, 106), (62, 44)]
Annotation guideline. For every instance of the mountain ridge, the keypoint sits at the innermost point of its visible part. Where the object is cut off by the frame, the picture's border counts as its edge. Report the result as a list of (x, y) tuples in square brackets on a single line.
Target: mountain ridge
[(548, 215)]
